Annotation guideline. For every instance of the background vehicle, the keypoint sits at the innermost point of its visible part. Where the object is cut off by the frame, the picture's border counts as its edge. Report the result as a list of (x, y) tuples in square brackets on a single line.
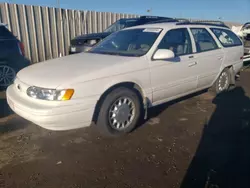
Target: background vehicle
[(11, 57), (86, 42), (244, 33)]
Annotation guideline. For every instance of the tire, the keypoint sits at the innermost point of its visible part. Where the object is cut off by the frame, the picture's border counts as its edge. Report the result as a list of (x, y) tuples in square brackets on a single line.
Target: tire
[(112, 118), (7, 76), (223, 82)]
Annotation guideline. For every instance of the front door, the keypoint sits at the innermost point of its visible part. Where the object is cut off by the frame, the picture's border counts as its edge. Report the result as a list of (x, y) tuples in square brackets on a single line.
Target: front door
[(175, 77)]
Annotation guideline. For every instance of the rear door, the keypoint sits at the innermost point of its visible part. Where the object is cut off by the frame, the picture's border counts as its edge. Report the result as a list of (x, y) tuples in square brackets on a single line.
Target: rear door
[(232, 45), (209, 57)]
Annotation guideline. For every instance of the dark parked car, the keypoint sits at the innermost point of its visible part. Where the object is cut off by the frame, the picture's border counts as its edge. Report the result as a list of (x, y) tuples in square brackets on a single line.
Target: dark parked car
[(11, 57), (86, 42)]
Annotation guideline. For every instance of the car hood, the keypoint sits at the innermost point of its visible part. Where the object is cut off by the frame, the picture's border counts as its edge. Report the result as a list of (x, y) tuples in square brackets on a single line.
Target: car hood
[(74, 68), (93, 36)]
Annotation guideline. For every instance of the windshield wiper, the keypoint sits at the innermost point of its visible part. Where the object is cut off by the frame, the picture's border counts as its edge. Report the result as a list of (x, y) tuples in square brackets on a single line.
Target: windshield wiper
[(106, 53), (115, 53)]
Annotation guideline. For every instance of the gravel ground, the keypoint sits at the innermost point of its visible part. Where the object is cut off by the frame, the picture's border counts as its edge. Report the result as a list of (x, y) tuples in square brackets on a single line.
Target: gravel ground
[(199, 141)]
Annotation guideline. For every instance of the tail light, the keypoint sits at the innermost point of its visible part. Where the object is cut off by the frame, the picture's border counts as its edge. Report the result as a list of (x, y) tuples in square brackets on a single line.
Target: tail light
[(242, 57), (21, 47)]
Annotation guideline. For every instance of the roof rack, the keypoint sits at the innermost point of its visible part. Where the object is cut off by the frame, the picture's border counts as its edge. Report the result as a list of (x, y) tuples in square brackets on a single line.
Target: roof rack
[(210, 23), (154, 17), (168, 20), (163, 21)]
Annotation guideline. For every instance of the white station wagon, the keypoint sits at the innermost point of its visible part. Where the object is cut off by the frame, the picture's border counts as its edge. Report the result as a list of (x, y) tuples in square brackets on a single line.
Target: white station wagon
[(131, 70)]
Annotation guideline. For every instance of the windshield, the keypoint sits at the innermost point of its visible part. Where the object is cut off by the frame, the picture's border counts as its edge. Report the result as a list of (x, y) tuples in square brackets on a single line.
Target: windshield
[(132, 42), (121, 24), (246, 27)]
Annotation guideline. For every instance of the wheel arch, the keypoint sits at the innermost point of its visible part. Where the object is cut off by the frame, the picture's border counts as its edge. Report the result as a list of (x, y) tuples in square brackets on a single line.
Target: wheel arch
[(232, 74), (127, 84)]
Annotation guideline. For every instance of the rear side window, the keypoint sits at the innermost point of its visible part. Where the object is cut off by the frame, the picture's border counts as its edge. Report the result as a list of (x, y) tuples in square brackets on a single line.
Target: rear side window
[(5, 33), (226, 37), (203, 40)]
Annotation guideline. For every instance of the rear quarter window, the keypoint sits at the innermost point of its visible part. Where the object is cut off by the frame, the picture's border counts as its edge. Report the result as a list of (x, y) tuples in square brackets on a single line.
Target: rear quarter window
[(226, 37), (5, 33)]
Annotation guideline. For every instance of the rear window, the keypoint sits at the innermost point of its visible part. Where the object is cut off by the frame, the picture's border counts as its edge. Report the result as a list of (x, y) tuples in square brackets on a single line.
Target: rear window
[(5, 33), (226, 37)]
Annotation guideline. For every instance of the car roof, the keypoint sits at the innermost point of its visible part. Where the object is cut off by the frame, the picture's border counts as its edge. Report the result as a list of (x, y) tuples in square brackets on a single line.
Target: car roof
[(3, 24)]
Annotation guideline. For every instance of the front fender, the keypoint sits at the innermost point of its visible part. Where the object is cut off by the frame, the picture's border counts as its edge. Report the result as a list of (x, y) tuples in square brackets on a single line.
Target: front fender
[(95, 88)]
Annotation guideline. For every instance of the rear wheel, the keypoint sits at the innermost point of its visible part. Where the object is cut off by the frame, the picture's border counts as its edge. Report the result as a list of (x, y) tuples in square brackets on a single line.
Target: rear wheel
[(119, 112), (222, 84)]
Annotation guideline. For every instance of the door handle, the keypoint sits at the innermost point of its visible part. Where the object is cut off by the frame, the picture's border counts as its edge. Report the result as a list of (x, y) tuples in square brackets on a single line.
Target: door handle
[(190, 57), (220, 58), (192, 64)]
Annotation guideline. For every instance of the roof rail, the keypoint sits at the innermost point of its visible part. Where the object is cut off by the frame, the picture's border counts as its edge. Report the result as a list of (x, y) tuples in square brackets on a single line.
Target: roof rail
[(154, 17), (163, 21), (210, 23), (168, 20)]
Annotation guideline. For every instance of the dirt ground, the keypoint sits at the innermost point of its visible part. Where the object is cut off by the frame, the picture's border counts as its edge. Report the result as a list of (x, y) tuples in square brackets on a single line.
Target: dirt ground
[(201, 141)]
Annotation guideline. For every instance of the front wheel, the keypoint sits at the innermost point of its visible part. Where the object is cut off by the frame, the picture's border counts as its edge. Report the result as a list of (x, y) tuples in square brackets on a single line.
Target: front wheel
[(7, 76), (120, 112)]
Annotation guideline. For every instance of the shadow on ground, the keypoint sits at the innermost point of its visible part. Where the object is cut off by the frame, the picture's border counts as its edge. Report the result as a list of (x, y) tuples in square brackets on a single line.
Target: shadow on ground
[(4, 108), (8, 120), (157, 110), (222, 159), (12, 124)]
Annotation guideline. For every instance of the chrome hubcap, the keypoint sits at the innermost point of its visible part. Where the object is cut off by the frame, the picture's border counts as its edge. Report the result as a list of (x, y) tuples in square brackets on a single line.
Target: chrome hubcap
[(7, 75), (223, 81), (121, 113)]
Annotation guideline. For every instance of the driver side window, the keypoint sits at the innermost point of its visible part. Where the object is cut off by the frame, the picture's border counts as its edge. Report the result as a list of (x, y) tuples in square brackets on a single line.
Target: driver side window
[(178, 41)]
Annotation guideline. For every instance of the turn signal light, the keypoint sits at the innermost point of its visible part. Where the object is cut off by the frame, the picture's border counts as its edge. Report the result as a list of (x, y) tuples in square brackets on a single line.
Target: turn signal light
[(68, 94)]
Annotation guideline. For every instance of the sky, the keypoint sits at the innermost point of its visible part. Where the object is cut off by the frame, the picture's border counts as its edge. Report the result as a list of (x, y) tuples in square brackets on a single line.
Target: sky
[(226, 10)]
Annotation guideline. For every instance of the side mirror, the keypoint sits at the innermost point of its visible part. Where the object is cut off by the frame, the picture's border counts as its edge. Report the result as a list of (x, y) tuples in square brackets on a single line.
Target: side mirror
[(161, 54)]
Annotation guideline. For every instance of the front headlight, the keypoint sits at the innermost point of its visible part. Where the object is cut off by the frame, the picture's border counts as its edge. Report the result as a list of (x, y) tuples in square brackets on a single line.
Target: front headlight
[(50, 94)]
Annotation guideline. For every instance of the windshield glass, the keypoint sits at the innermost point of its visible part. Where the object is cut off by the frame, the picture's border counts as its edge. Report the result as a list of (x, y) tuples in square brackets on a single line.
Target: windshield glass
[(121, 24), (132, 42), (246, 27)]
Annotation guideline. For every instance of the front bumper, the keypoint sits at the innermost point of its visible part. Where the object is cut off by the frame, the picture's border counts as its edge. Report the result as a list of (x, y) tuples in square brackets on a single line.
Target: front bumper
[(48, 115)]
